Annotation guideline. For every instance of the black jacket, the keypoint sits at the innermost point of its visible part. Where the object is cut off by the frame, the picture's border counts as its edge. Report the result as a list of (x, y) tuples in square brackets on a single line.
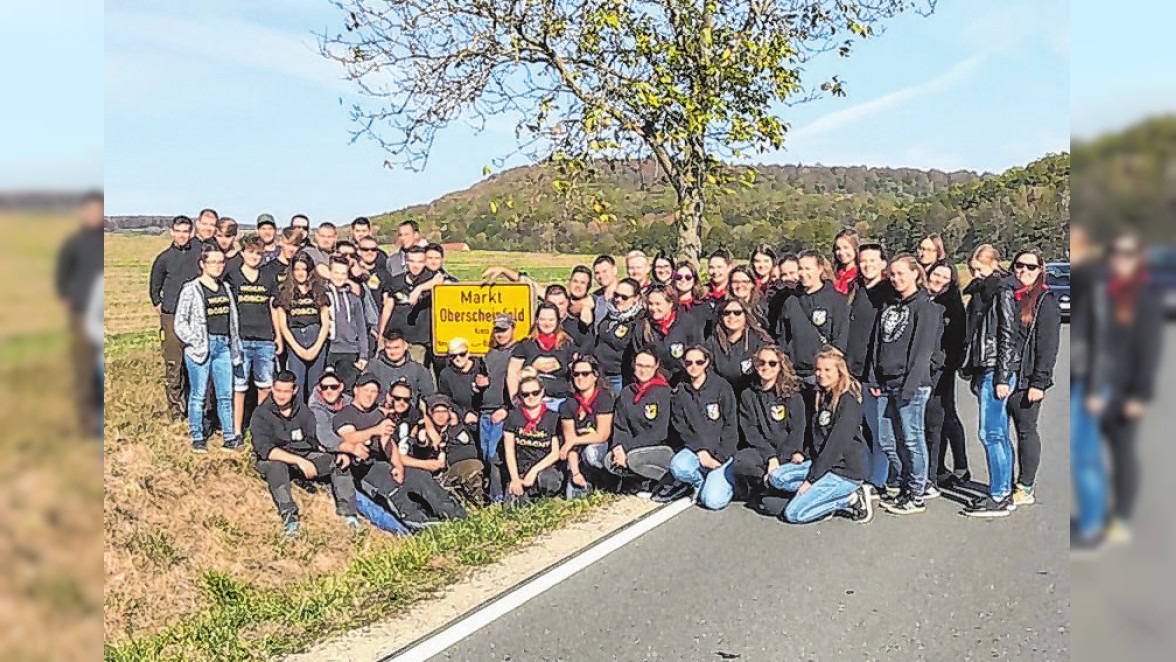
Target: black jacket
[(772, 425), (708, 418), (460, 386), (669, 349), (610, 340), (1039, 344), (777, 296), (992, 319), (905, 339), (952, 343), (1090, 323), (295, 434), (1134, 348), (812, 321), (78, 266), (838, 445), (642, 423), (170, 270), (736, 364), (863, 313)]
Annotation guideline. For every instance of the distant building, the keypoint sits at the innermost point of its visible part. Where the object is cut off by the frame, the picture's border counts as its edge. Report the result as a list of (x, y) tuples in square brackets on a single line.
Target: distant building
[(455, 246)]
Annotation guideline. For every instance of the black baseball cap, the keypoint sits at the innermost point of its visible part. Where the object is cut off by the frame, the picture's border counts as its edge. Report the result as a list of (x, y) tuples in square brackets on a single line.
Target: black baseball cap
[(365, 379), (503, 321), (438, 400)]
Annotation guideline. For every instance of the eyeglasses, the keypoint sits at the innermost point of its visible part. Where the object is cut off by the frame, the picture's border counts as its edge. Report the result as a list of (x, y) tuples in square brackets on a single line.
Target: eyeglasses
[(1026, 265), (583, 373), (683, 276), (330, 387), (530, 394), (733, 313), (401, 398), (771, 363), (689, 362)]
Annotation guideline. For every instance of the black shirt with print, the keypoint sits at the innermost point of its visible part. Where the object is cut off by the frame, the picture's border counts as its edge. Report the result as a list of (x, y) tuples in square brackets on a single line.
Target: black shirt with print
[(360, 419), (456, 441), (253, 303), (531, 446), (276, 270), (304, 312), (586, 419), (216, 310), (556, 382)]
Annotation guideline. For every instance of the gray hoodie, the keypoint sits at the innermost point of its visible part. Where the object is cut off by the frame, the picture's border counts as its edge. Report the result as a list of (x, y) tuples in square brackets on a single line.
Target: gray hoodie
[(191, 324), (348, 331), (418, 378)]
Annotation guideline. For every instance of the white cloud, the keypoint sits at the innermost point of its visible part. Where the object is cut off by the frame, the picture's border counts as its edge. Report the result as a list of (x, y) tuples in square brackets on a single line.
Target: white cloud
[(886, 102)]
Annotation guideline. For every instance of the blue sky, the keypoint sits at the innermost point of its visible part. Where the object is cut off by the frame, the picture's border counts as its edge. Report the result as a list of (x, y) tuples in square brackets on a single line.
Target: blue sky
[(226, 104)]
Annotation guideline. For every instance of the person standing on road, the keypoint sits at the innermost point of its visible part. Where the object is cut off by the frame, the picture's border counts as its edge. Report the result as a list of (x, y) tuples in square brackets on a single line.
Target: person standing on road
[(991, 364), (785, 287), (931, 252), (705, 415), (666, 332), (1039, 322), (944, 427), (285, 440), (744, 288), (496, 401), (640, 443), (79, 264), (361, 229), (586, 421), (831, 480), (763, 263), (304, 321), (771, 418), (638, 268), (288, 246), (408, 235), (206, 323), (325, 238), (734, 343), (530, 443), (663, 269), (906, 338), (206, 226), (871, 294), (172, 268), (718, 269), (817, 316), (615, 331), (259, 323), (692, 305)]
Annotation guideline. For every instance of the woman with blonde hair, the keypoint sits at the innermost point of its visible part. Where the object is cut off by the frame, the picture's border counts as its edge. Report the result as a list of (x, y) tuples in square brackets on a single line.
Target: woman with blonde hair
[(831, 479)]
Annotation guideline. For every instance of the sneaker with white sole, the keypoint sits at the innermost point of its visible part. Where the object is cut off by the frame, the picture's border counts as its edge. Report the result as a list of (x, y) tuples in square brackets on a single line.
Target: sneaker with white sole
[(905, 505), (860, 510), (1023, 495), (989, 507), (931, 492)]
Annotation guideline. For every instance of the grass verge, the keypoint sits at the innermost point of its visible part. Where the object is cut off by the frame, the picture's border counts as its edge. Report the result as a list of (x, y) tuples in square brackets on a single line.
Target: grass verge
[(245, 622)]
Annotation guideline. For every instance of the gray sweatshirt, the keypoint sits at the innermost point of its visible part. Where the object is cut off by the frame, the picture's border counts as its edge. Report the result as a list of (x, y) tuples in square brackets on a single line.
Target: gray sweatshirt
[(418, 378), (348, 331)]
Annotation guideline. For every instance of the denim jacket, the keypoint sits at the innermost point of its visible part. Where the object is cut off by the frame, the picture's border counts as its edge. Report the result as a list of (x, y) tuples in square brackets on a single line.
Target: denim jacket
[(192, 326)]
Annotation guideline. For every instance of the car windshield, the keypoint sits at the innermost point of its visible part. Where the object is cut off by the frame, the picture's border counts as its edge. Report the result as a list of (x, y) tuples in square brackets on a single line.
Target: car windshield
[(1057, 275)]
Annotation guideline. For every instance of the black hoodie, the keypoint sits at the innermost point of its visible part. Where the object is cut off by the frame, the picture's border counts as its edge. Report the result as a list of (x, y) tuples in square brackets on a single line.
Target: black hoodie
[(905, 339), (772, 425), (1039, 343), (953, 342), (838, 445), (170, 270), (644, 422), (736, 364), (707, 418), (669, 349), (811, 321), (863, 313)]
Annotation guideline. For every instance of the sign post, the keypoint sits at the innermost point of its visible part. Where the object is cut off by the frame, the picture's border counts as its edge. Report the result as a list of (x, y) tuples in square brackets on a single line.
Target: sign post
[(467, 310)]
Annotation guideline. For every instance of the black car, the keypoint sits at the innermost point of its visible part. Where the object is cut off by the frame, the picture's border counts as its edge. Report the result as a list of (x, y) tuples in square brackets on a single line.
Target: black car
[(1057, 277)]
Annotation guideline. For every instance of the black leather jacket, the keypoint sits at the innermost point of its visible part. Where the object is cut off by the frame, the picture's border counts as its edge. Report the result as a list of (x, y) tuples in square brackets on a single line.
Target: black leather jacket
[(992, 319)]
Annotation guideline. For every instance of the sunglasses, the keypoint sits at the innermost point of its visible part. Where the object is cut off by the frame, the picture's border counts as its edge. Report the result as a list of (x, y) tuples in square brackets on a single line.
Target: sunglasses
[(400, 398), (1026, 265), (330, 387), (771, 363), (694, 362), (732, 313), (583, 373), (683, 276), (622, 297), (367, 250), (460, 355), (530, 394)]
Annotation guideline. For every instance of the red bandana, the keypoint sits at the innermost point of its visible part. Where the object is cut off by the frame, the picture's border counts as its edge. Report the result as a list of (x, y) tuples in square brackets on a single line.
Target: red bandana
[(717, 294), (1024, 291), (664, 325), (533, 423), (845, 280), (642, 388), (546, 341), (586, 405), (687, 302)]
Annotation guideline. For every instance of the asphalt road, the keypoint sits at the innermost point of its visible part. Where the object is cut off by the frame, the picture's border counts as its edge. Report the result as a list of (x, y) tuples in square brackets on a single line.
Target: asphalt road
[(734, 585)]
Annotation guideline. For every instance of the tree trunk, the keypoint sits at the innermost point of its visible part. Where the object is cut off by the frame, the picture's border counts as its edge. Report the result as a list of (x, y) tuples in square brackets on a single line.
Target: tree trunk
[(689, 221)]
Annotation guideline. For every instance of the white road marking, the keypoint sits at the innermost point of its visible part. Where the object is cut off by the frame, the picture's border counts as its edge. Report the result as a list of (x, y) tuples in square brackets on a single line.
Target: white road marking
[(499, 607)]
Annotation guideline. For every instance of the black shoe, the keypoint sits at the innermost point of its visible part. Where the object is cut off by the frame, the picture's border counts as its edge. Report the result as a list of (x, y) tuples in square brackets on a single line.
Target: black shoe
[(671, 492), (989, 507), (905, 505), (200, 446), (307, 486), (860, 510), (1085, 547)]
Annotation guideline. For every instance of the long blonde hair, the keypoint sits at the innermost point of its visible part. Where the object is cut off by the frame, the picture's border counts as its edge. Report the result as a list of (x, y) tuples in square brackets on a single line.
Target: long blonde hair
[(845, 381)]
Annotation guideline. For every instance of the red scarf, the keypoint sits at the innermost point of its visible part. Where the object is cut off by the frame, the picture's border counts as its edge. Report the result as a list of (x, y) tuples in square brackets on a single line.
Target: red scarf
[(1025, 291), (845, 280), (642, 388), (546, 340), (586, 405), (1124, 293), (533, 423), (687, 303), (716, 293), (664, 325)]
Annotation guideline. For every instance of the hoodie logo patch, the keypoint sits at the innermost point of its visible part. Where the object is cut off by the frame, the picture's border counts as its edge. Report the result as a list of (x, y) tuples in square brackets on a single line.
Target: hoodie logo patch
[(621, 331), (677, 349), (778, 412), (373, 282), (824, 418), (463, 438), (651, 411), (820, 316), (296, 434), (400, 297), (745, 366), (712, 411), (893, 322)]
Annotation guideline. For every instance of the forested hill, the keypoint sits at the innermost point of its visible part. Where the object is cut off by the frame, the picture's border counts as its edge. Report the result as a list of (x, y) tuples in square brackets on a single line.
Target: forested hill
[(628, 206)]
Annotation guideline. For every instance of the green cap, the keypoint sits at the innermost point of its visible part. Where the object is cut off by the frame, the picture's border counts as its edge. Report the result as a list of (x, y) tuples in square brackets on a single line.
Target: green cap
[(266, 219)]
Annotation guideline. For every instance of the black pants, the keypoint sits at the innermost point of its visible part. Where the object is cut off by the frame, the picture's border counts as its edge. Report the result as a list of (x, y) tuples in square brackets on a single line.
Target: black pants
[(279, 474), (174, 374), (1025, 415), (944, 428), (1120, 433), (344, 365), (416, 502), (549, 482)]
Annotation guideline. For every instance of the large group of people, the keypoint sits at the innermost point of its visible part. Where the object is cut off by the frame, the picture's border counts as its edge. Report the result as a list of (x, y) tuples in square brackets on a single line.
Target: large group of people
[(808, 385)]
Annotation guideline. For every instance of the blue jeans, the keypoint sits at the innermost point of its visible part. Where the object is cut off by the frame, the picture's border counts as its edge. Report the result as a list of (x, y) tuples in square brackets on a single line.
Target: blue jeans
[(829, 494), (994, 434), (879, 458), (715, 488), (614, 383), (910, 459), (259, 362), (489, 437), (218, 368), (1086, 463), (553, 403), (306, 373)]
